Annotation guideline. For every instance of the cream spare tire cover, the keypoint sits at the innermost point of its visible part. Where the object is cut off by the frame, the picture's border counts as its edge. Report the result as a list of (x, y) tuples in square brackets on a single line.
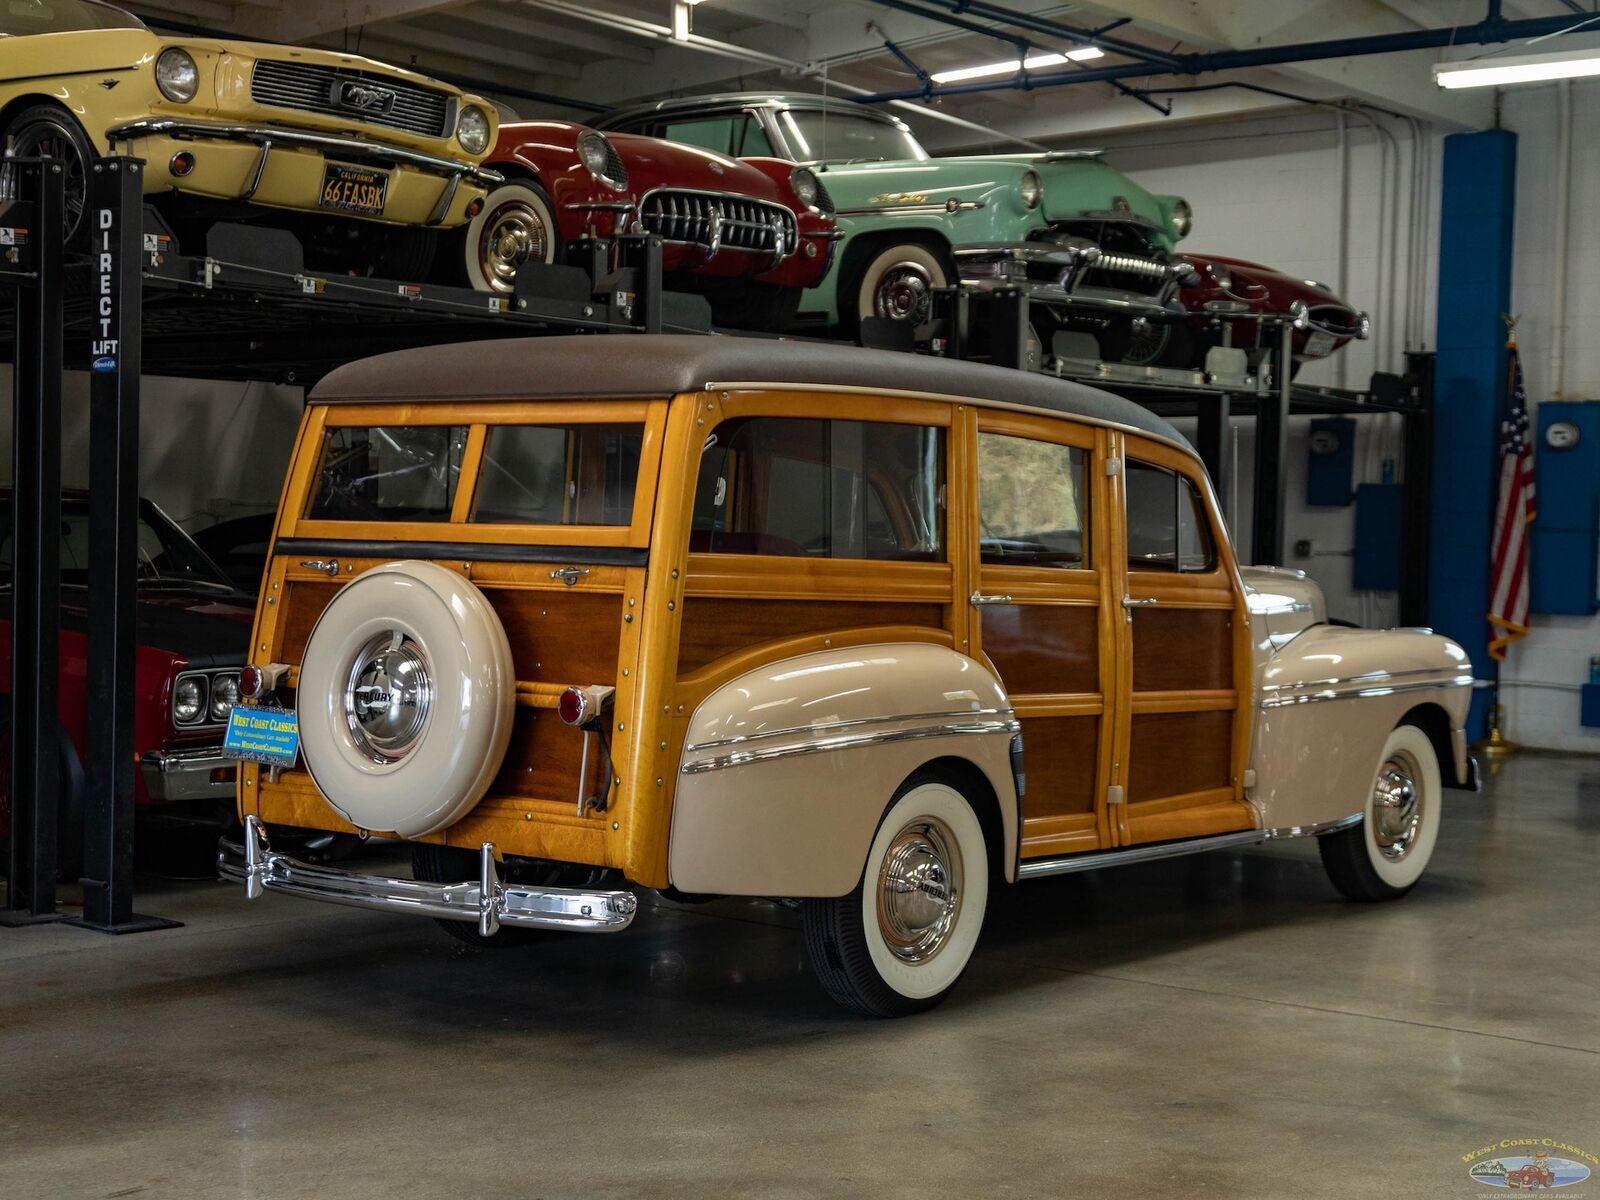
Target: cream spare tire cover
[(406, 697)]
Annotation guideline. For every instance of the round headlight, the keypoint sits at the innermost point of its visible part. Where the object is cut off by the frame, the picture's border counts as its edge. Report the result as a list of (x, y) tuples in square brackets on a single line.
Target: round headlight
[(805, 186), (472, 129), (176, 75), (224, 695), (602, 160), (1182, 218), (1030, 190), (188, 700)]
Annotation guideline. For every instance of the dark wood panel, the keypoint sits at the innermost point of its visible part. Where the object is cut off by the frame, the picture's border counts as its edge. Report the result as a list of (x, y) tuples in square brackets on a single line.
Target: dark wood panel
[(1043, 648), (567, 637), (303, 603), (1182, 649), (543, 759), (1060, 756), (1176, 753), (715, 626)]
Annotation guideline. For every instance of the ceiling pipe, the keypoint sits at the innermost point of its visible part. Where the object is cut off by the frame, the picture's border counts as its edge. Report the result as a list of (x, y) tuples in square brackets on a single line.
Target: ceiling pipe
[(1487, 32), (1040, 25)]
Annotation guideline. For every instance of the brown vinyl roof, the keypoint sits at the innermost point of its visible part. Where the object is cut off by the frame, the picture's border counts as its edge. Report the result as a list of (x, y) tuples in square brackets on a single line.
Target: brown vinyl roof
[(659, 365)]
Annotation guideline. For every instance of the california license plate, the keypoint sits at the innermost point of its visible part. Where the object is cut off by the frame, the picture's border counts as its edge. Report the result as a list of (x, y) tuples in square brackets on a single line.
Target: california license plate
[(1319, 344), (359, 190), (263, 735)]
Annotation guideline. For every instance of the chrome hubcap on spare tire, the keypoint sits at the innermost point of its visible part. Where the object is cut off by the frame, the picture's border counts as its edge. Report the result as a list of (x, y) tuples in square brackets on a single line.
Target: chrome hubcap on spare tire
[(515, 233), (1396, 808), (904, 293), (387, 698), (919, 890)]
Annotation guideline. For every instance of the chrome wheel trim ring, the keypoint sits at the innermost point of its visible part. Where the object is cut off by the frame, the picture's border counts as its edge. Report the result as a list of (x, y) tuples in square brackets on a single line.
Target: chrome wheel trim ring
[(904, 293), (1397, 807), (516, 232), (388, 696), (919, 890)]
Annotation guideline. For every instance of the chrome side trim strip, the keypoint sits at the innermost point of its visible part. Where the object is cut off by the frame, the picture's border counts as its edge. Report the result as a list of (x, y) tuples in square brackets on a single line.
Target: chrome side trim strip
[(1138, 854), (1368, 676), (485, 901), (928, 209), (852, 741), (1286, 695), (801, 730)]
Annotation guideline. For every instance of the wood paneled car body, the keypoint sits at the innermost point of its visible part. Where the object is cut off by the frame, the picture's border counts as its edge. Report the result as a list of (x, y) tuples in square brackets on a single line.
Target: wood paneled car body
[(866, 630)]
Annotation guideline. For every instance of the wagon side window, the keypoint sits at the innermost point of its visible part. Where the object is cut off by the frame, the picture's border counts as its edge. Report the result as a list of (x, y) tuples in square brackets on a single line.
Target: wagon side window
[(559, 474), (388, 473), (821, 489), (1167, 526), (1031, 502)]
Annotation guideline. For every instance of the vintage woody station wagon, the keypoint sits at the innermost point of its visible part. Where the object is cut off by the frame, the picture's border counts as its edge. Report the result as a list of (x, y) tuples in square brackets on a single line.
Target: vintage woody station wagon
[(869, 631)]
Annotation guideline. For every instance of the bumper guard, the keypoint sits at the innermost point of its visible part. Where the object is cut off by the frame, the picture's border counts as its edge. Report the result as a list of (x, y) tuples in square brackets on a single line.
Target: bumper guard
[(1051, 273), (486, 901)]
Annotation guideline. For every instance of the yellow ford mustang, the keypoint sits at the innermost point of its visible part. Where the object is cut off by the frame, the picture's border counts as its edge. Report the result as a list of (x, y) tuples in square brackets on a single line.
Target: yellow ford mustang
[(350, 144)]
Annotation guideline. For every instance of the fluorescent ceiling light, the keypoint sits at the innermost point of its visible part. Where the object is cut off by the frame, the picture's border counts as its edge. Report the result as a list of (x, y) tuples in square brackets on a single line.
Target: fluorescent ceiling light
[(1528, 68), (1012, 66)]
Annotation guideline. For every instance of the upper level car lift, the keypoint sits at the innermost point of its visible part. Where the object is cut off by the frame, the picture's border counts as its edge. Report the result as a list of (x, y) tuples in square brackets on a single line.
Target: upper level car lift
[(130, 305)]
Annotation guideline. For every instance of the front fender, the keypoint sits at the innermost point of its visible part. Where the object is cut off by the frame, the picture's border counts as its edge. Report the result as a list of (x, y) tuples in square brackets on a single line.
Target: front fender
[(787, 769)]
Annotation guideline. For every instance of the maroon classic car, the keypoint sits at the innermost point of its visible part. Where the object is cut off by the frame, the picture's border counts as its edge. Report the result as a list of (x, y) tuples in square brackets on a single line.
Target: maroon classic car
[(1229, 292), (749, 234), (193, 629)]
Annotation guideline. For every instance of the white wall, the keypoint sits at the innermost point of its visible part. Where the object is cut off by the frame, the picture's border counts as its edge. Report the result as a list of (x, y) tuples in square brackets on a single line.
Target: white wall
[(1540, 680), (207, 451)]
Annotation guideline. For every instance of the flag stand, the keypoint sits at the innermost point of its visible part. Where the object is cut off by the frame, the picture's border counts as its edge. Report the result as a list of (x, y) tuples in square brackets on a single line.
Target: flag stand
[(1497, 746)]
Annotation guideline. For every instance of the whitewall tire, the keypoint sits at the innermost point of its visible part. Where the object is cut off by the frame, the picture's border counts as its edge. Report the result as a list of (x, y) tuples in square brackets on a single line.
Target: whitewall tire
[(898, 283), (898, 943), (406, 697), (1384, 856), (517, 225)]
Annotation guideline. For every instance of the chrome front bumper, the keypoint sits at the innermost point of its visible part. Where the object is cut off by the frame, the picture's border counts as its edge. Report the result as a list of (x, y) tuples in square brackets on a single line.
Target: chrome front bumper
[(186, 775), (993, 266), (486, 901), (267, 136)]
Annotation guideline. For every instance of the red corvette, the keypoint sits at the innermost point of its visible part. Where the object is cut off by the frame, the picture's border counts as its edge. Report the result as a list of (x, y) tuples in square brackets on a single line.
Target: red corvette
[(1232, 288), (193, 629), (749, 234)]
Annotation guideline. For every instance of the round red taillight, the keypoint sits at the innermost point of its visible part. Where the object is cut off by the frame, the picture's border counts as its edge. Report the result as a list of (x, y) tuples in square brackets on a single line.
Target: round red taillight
[(182, 163), (573, 707), (251, 683)]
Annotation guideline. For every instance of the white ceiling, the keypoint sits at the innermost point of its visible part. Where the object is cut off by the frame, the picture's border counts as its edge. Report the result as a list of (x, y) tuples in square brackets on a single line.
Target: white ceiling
[(612, 52)]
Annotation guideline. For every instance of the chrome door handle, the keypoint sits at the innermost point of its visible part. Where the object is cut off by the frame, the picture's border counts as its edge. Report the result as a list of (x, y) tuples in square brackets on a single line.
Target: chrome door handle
[(1142, 602), (979, 599), (329, 567)]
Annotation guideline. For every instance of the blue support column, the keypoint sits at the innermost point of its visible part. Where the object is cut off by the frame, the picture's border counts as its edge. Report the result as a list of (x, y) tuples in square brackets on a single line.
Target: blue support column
[(1475, 243)]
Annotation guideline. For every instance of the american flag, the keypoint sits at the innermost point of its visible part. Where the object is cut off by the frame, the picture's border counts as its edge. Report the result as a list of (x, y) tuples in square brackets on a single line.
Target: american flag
[(1508, 609)]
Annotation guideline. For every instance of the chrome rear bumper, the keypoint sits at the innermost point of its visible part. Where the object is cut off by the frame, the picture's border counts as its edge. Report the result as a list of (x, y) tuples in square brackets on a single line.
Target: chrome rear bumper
[(486, 901)]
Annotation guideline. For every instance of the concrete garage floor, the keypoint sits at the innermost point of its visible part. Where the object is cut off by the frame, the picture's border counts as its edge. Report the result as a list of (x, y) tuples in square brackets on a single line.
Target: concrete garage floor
[(1221, 1026)]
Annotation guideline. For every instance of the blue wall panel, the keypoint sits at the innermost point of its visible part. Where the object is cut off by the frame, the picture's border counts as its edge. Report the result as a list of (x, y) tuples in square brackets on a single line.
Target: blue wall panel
[(1479, 199), (1565, 555), (1375, 566)]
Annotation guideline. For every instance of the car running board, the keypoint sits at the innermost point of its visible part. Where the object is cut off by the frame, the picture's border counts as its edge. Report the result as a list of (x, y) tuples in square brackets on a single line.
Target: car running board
[(1038, 868)]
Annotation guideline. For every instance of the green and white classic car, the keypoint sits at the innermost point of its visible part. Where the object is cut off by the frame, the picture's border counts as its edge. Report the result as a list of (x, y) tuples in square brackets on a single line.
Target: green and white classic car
[(1092, 241)]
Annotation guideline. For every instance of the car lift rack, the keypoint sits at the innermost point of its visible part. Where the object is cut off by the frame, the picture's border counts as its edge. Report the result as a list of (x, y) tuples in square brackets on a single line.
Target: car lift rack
[(126, 305)]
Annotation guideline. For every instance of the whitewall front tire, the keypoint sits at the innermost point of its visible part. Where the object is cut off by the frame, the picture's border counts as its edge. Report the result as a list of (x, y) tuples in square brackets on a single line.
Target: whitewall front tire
[(898, 283), (898, 943), (1384, 856), (406, 698), (516, 225)]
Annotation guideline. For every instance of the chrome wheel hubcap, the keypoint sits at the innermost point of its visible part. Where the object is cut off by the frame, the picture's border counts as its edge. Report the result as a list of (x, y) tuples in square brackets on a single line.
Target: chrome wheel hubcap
[(919, 890), (515, 233), (1396, 808), (388, 696), (905, 293)]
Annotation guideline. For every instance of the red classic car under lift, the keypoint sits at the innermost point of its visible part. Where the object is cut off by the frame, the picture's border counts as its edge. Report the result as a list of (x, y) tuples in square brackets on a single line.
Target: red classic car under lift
[(133, 308)]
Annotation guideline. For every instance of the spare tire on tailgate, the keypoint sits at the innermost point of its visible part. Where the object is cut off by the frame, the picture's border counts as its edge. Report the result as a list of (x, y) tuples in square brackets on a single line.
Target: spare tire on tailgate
[(406, 697)]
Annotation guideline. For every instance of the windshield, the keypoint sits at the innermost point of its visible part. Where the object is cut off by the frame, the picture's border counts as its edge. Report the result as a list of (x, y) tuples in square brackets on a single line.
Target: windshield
[(828, 135), (167, 555), (19, 17)]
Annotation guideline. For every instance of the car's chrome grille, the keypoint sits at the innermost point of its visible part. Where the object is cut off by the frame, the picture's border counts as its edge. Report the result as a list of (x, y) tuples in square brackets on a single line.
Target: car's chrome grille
[(397, 104), (741, 223)]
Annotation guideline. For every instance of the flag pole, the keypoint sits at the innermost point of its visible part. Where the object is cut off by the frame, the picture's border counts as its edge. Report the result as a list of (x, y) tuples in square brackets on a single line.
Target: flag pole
[(1497, 747)]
